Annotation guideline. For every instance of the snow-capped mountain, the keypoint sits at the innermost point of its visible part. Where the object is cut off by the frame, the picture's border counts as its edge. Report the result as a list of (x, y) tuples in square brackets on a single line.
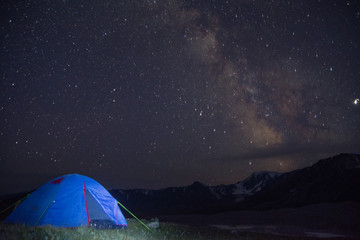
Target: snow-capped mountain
[(249, 186), (255, 182)]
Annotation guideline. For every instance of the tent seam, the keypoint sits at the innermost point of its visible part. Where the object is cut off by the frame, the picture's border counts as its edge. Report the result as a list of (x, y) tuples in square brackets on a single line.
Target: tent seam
[(86, 206)]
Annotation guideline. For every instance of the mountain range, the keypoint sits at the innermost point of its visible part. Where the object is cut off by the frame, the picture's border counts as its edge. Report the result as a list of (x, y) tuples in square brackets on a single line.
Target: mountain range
[(335, 179)]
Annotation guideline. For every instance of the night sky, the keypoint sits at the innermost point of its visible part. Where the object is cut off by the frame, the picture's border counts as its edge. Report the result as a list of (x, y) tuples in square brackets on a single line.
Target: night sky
[(151, 94)]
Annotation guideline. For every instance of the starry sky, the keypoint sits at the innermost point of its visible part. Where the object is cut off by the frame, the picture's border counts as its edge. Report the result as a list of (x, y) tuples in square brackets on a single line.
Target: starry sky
[(151, 94)]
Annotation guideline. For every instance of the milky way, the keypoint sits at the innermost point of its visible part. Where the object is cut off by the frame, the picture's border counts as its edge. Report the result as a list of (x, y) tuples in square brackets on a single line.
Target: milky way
[(150, 94)]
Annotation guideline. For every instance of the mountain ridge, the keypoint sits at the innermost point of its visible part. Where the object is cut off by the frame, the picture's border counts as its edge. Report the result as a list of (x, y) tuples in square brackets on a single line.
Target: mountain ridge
[(328, 180)]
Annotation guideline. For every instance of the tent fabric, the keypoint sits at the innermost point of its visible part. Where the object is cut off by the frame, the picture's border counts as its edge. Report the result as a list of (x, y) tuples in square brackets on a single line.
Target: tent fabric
[(68, 201)]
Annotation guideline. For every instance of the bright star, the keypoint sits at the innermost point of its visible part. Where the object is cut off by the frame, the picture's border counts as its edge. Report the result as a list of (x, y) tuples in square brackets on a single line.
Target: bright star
[(356, 101)]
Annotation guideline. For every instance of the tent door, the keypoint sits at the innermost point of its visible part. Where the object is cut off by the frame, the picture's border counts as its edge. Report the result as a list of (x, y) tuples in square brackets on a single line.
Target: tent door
[(95, 210)]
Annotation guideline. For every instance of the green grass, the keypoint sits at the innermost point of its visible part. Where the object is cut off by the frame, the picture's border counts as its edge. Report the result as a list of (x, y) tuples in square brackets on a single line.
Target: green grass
[(166, 231)]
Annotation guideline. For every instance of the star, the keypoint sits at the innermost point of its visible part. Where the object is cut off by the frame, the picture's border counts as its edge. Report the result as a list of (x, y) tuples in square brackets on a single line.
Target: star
[(356, 101)]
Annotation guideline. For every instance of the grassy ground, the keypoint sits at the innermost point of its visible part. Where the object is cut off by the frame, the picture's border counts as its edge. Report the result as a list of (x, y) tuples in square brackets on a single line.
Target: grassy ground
[(166, 231)]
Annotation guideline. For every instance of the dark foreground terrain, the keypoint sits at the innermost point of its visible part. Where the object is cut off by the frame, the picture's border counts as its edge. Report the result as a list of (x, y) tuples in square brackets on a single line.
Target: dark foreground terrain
[(136, 231), (322, 220)]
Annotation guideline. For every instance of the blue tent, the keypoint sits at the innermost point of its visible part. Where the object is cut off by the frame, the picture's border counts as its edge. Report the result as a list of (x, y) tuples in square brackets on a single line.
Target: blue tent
[(69, 201)]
